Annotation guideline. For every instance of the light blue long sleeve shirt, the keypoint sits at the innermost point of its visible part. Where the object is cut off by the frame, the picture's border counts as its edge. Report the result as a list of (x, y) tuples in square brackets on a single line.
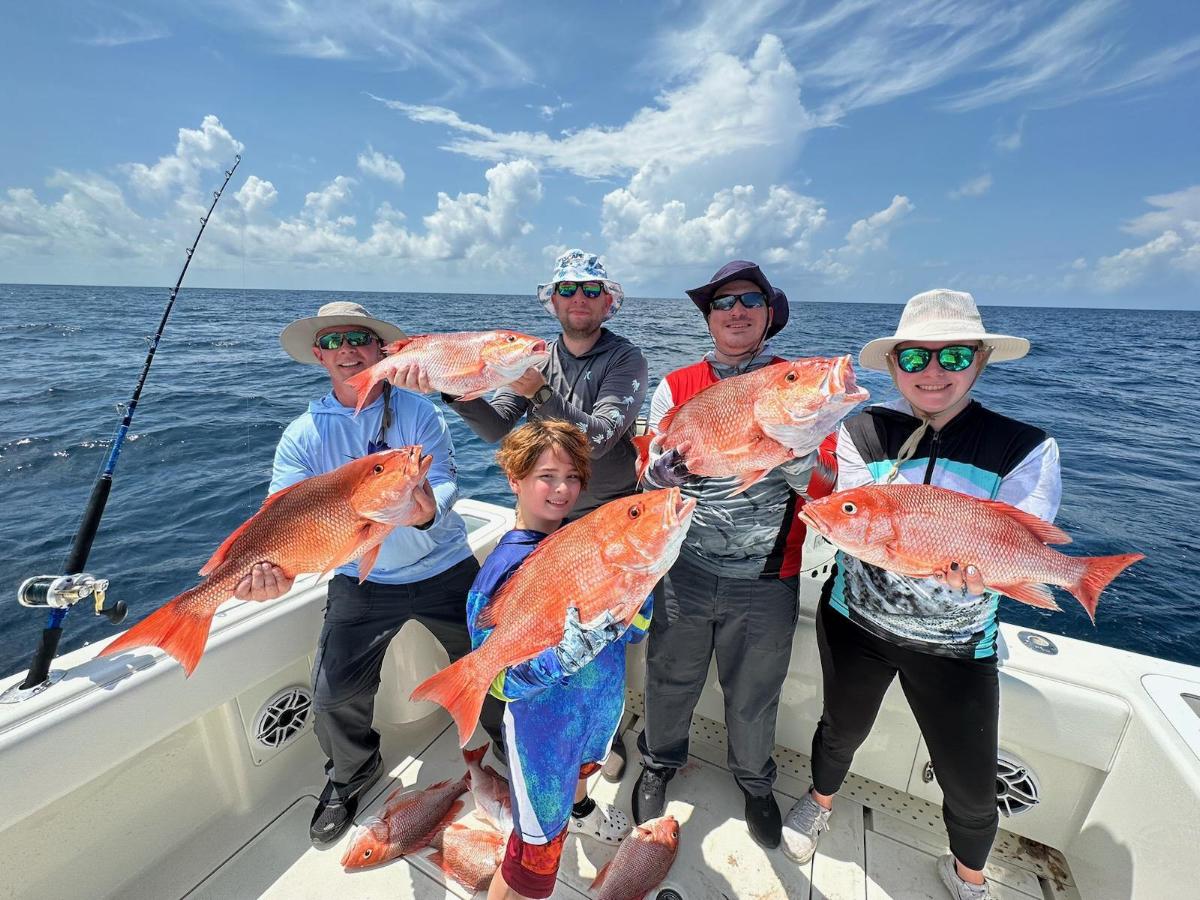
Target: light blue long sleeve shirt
[(329, 435)]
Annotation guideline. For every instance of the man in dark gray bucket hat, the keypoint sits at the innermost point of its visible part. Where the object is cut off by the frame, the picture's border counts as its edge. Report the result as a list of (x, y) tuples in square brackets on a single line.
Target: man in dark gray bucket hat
[(734, 589)]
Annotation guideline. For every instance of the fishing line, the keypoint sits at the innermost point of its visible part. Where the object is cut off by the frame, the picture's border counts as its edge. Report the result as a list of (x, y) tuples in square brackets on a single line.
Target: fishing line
[(60, 592)]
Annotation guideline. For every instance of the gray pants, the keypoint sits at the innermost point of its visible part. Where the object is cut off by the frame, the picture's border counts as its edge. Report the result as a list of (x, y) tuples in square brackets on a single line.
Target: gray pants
[(360, 622), (750, 624)]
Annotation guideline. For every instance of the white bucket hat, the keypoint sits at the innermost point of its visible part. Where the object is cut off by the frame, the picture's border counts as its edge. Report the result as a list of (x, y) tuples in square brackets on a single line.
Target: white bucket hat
[(299, 337), (941, 315), (575, 265)]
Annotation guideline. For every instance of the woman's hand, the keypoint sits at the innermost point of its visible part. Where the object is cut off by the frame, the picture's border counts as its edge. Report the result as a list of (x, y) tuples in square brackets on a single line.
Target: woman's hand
[(962, 578)]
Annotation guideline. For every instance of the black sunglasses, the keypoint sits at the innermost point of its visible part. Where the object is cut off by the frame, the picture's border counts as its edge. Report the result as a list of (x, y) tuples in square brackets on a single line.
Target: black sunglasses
[(750, 300), (954, 358), (333, 340)]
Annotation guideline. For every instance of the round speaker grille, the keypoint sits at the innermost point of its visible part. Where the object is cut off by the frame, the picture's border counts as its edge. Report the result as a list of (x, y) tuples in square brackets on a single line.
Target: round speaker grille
[(1017, 789), (283, 717)]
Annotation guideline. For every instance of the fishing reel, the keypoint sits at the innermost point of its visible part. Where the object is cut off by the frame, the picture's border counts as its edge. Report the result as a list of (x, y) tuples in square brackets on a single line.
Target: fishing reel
[(64, 591)]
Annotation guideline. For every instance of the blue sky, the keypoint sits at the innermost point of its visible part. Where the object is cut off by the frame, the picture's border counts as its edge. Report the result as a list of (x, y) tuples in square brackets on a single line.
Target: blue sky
[(1032, 153)]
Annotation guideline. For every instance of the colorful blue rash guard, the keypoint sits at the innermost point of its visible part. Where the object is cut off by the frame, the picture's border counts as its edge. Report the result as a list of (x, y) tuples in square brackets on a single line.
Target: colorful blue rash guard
[(553, 724), (979, 453)]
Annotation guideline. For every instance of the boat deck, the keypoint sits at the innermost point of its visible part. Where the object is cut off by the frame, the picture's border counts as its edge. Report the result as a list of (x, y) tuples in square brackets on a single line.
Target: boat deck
[(882, 843)]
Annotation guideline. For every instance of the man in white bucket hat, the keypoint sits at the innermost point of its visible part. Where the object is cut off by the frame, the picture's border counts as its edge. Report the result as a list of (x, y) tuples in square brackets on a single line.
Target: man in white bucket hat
[(939, 633), (423, 571)]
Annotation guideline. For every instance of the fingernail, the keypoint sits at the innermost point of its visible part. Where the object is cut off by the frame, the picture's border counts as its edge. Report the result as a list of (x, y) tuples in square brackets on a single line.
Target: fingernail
[(971, 570), (953, 567)]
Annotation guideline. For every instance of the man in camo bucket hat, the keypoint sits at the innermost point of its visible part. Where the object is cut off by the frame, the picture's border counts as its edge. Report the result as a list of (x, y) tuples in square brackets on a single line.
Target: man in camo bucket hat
[(580, 268)]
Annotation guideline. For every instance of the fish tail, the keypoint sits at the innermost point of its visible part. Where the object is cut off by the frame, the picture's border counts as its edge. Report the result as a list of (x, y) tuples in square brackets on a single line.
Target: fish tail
[(642, 445), (460, 689), (179, 628), (474, 756), (362, 384), (1098, 572)]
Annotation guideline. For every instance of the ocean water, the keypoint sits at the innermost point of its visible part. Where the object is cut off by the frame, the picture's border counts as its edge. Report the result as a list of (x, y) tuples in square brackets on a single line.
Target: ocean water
[(1118, 389)]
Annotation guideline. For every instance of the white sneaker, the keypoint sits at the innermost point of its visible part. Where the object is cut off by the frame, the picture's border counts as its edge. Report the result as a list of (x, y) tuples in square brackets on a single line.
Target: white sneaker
[(604, 823), (959, 889), (802, 828)]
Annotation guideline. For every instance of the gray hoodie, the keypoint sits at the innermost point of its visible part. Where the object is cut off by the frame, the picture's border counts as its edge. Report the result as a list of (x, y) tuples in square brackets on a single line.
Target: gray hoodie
[(601, 392)]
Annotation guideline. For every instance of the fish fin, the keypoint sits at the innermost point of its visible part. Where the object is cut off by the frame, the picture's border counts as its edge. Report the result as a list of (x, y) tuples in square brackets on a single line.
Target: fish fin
[(362, 383), (455, 808), (222, 552), (749, 479), (1033, 594), (397, 346), (473, 395), (439, 860), (1042, 530), (600, 876), (476, 755), (1098, 572), (376, 533), (180, 631), (487, 615), (665, 422), (350, 548), (460, 689), (642, 446)]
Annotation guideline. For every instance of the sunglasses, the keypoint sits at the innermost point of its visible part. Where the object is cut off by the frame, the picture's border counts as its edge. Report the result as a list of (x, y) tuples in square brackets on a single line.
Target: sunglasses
[(591, 289), (750, 300), (333, 339), (954, 358)]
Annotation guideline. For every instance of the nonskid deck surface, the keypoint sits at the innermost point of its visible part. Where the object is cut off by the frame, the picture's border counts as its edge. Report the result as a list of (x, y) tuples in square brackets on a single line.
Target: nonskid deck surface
[(882, 843)]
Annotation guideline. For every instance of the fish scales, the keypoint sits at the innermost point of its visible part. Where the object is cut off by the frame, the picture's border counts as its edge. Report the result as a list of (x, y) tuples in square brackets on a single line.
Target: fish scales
[(408, 822)]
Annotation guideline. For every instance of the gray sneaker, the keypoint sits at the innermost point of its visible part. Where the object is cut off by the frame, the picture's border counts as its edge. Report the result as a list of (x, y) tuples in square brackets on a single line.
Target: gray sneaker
[(959, 889), (802, 828)]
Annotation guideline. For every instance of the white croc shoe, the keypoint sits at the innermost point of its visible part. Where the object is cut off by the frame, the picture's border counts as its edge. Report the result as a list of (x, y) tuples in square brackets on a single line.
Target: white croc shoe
[(604, 823)]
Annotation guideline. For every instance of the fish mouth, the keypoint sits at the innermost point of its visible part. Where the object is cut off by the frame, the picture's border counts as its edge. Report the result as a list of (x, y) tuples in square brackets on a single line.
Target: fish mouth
[(812, 519), (538, 347), (840, 380), (677, 514)]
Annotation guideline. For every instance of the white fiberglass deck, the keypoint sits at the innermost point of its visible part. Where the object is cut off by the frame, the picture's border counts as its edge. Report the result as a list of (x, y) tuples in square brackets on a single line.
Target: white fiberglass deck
[(882, 843)]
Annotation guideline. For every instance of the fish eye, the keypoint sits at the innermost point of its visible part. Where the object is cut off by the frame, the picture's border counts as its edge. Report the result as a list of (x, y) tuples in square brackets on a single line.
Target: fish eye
[(366, 854), (849, 508), (791, 376), (635, 511), (511, 338), (378, 470)]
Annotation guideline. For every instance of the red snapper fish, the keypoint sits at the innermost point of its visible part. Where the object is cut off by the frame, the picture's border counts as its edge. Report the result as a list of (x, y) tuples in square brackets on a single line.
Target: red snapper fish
[(748, 424), (409, 821), (489, 788), (606, 561), (470, 856), (919, 530), (467, 364), (642, 861), (314, 526)]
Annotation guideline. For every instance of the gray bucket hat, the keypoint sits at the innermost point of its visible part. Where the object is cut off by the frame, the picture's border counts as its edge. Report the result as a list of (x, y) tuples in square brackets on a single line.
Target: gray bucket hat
[(744, 270), (298, 338)]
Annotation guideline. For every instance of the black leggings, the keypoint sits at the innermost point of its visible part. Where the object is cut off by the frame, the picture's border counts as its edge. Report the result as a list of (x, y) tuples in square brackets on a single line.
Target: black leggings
[(956, 703)]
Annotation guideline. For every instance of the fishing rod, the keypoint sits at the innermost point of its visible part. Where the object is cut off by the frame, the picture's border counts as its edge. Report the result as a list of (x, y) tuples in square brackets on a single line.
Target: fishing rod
[(60, 592)]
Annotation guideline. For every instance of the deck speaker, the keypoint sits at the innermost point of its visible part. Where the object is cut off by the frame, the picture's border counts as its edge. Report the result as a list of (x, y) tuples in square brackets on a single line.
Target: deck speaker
[(284, 716), (1017, 789)]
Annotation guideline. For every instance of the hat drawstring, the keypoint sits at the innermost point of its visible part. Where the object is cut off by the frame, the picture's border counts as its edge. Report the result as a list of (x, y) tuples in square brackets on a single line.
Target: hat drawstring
[(908, 449)]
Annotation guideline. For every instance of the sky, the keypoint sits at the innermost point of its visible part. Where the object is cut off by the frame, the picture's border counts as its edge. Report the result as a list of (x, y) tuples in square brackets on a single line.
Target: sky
[(1033, 153)]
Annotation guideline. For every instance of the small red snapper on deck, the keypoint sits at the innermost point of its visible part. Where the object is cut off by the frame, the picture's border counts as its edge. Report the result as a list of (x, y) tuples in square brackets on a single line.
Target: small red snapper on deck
[(641, 863), (467, 364), (410, 820), (748, 424), (606, 561), (313, 526), (919, 530)]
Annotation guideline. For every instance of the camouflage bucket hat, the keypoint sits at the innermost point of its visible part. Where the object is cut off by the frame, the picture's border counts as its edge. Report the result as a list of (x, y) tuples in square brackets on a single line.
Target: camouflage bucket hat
[(575, 265)]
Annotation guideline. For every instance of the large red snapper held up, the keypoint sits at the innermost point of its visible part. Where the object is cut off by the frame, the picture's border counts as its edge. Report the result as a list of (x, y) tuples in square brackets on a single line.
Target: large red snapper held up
[(410, 820), (314, 526), (642, 861), (919, 530), (467, 364), (606, 561), (748, 424), (470, 856)]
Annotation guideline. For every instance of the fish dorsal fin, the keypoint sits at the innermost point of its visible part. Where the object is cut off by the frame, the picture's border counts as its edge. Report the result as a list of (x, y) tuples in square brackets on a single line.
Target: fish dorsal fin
[(397, 346), (1042, 530), (222, 552), (665, 422)]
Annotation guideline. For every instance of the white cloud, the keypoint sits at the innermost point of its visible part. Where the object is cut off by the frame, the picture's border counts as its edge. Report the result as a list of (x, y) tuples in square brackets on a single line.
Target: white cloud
[(1113, 273), (865, 238), (447, 38), (125, 28), (256, 196), (736, 222), (973, 187), (1010, 142), (321, 204), (731, 108), (1173, 211), (381, 166), (198, 150)]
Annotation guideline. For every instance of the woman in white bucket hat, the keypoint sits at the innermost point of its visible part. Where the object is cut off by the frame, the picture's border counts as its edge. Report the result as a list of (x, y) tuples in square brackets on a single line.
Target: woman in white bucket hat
[(938, 634)]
